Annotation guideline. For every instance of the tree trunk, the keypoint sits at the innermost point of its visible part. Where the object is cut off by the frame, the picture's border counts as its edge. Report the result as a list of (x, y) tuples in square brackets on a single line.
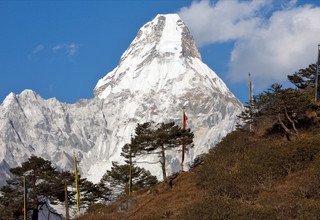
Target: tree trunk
[(287, 130), (288, 137), (130, 175), (163, 163), (182, 157), (35, 214), (293, 124)]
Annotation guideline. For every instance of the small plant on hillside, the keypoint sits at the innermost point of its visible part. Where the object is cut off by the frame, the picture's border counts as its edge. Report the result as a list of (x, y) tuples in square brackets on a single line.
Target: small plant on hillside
[(246, 117)]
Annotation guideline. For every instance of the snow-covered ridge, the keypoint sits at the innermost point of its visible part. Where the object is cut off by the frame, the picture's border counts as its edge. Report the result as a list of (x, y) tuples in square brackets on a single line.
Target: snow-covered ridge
[(164, 39), (159, 74)]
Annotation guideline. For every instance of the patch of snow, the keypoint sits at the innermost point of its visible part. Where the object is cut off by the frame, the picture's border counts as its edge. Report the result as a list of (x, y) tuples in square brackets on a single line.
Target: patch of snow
[(158, 76)]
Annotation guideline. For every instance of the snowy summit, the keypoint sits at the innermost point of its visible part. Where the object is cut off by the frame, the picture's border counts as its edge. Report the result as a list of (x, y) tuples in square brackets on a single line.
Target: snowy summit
[(161, 51), (158, 76)]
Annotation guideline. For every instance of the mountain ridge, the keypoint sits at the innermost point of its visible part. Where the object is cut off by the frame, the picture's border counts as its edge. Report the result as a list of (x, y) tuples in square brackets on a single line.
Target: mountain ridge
[(155, 79)]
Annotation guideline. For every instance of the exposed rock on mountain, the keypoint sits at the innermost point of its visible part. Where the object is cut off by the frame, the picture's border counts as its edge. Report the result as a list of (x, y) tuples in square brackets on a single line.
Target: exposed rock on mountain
[(159, 75)]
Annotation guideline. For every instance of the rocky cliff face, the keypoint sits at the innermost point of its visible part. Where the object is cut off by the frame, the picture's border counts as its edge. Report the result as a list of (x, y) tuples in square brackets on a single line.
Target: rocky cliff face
[(159, 75), (48, 128)]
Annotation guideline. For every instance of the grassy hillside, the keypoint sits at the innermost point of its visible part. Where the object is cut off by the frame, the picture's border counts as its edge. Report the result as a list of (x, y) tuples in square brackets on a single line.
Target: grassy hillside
[(244, 177), (260, 178), (156, 203)]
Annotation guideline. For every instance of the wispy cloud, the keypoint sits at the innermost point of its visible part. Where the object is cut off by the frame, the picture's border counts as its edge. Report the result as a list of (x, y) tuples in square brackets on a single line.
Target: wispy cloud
[(269, 45), (223, 21), (39, 48), (70, 48)]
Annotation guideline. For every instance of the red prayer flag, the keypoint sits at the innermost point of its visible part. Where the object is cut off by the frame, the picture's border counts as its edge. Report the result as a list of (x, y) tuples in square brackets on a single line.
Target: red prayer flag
[(184, 120)]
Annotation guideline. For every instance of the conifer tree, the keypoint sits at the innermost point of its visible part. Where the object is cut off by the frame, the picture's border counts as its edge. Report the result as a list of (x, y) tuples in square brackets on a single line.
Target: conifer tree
[(246, 117), (304, 77), (44, 181), (286, 107), (119, 178), (153, 138), (128, 176), (128, 155)]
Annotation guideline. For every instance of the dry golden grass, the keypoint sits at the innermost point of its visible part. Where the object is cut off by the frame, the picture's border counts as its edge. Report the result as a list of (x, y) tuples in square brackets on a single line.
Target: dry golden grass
[(164, 203), (245, 177)]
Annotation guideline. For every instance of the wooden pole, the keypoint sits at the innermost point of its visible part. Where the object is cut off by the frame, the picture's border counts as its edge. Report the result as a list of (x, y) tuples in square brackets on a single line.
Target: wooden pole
[(184, 125), (317, 75), (77, 186), (250, 104), (24, 198)]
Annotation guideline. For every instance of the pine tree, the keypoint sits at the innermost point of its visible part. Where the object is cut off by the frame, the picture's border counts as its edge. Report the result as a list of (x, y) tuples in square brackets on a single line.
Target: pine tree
[(153, 138), (119, 178), (128, 154), (304, 77), (44, 181), (128, 176), (246, 117), (286, 107), (11, 200)]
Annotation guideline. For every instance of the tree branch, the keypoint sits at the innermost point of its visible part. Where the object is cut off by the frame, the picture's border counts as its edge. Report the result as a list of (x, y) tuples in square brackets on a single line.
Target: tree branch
[(287, 130), (292, 123)]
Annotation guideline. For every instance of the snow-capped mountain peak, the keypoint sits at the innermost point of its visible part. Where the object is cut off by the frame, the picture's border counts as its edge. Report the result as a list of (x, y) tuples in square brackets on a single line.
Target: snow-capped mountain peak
[(165, 39), (159, 74), (166, 35)]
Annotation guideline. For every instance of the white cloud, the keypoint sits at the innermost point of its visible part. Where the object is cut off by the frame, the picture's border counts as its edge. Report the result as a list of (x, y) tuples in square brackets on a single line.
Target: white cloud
[(268, 47), (39, 48), (223, 21), (70, 49)]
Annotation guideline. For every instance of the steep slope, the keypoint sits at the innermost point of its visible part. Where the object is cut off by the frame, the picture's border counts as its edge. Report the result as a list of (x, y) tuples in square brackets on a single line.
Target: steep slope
[(155, 203), (159, 75), (53, 130), (245, 177)]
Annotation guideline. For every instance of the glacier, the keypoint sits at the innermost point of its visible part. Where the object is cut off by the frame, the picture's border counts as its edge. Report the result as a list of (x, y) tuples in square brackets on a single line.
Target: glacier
[(160, 75)]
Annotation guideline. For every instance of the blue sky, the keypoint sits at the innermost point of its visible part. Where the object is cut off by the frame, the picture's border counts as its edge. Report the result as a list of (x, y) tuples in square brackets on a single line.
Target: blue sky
[(61, 49)]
